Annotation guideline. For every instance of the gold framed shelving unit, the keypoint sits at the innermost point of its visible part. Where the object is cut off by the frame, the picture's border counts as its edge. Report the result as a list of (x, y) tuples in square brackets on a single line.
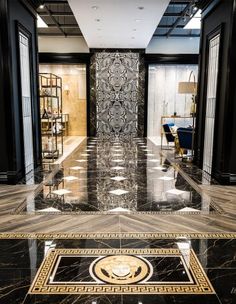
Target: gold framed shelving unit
[(53, 122)]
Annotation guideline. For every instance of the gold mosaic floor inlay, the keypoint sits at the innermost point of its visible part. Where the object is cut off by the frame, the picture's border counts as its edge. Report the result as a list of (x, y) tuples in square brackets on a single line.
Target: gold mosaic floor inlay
[(114, 235), (118, 269), (199, 285)]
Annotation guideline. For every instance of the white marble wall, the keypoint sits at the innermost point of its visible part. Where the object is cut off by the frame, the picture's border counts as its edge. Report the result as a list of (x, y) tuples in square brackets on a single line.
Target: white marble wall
[(164, 99)]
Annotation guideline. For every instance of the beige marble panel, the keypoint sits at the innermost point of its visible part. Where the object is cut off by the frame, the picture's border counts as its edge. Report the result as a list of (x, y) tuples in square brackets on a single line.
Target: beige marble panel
[(74, 106), (73, 95)]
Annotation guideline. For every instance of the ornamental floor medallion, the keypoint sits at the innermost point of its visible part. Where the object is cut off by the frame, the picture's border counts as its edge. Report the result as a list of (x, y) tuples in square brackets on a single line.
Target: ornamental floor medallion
[(121, 271)]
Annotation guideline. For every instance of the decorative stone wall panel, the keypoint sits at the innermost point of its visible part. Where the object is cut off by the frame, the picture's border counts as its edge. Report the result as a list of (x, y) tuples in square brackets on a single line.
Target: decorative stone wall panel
[(117, 94)]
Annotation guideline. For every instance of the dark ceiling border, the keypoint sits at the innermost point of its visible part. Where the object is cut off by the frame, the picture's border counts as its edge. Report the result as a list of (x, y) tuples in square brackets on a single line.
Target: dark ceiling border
[(115, 50), (64, 58), (67, 58), (171, 58)]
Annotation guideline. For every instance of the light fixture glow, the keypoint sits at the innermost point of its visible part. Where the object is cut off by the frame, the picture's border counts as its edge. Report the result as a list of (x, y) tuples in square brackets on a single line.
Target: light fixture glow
[(41, 23), (194, 22), (41, 6)]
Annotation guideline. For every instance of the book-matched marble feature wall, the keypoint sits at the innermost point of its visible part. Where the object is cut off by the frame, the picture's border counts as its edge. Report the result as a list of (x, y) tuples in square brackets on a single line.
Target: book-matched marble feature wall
[(117, 94)]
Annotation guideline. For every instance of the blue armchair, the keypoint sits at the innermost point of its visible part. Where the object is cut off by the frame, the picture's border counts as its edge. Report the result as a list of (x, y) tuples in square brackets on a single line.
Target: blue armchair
[(185, 136), (168, 133)]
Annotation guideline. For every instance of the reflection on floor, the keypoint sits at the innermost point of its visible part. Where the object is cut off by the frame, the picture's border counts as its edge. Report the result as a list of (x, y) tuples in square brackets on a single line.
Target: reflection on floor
[(117, 269), (117, 177), (118, 222)]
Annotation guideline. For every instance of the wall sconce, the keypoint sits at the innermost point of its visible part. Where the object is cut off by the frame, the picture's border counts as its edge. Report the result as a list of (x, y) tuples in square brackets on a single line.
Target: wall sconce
[(67, 89)]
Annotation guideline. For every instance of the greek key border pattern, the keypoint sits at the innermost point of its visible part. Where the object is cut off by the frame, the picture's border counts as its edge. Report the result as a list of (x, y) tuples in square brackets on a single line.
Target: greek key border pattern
[(40, 284), (113, 235), (217, 210)]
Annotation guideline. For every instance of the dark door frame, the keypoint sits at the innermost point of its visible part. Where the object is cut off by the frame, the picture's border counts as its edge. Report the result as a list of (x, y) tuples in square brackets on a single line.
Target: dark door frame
[(72, 58), (163, 59)]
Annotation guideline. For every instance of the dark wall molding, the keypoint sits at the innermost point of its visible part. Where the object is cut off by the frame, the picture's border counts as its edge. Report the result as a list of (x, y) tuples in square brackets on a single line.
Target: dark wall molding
[(113, 50), (225, 178), (171, 58), (12, 145), (219, 17), (7, 155), (207, 6), (64, 58), (31, 6)]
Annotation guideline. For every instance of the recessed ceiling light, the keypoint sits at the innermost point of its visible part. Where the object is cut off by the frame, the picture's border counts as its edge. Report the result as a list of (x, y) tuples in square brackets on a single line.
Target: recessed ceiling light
[(138, 20), (141, 7), (41, 6), (98, 20), (95, 7)]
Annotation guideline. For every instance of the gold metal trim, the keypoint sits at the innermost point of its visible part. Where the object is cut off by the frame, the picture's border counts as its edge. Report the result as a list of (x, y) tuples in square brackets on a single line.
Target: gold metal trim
[(40, 284), (114, 235)]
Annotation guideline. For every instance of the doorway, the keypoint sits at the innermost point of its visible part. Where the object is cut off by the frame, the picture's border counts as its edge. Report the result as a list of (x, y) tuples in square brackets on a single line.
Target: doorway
[(63, 107), (213, 63), (25, 73)]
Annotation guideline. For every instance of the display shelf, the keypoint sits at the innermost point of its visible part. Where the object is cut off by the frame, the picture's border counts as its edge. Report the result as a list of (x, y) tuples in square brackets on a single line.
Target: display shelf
[(64, 121), (48, 96), (52, 127)]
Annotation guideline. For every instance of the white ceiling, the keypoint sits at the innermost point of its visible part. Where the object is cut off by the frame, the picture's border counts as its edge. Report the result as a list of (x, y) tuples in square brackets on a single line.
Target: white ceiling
[(122, 24)]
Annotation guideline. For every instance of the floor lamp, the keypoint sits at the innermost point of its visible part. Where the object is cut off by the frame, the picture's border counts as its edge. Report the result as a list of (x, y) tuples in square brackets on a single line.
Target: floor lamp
[(190, 87)]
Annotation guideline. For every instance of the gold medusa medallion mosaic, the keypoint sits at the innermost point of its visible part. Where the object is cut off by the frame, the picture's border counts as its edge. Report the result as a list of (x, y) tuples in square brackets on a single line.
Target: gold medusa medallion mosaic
[(121, 271)]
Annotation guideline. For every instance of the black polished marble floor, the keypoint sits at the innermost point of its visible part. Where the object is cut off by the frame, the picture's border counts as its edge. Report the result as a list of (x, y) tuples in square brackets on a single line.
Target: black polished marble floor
[(117, 177), (117, 269), (118, 223)]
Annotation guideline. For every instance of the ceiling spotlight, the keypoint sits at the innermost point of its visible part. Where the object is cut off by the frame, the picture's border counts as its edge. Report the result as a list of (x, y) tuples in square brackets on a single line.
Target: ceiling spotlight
[(95, 7), (41, 6), (141, 7)]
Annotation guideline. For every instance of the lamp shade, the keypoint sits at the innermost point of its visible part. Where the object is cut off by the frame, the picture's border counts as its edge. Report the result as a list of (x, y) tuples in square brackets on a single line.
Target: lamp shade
[(187, 88)]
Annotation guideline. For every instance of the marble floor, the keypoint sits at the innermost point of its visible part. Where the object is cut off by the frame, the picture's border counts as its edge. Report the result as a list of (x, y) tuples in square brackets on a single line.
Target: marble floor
[(117, 269), (117, 177), (118, 222)]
